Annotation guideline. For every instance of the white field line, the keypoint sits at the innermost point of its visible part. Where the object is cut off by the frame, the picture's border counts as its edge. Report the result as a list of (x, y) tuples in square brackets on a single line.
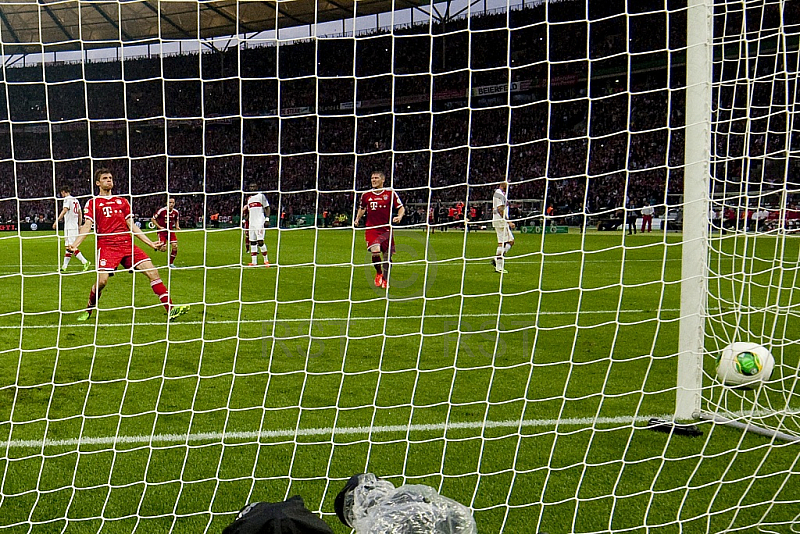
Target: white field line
[(330, 432), (331, 319), (327, 432)]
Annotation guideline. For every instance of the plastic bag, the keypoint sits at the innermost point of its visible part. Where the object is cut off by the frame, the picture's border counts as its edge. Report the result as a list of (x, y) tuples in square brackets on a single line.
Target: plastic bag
[(374, 506)]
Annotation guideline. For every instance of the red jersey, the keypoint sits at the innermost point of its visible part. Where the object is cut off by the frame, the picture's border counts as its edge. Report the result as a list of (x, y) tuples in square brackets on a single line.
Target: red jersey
[(167, 219), (110, 217), (378, 204)]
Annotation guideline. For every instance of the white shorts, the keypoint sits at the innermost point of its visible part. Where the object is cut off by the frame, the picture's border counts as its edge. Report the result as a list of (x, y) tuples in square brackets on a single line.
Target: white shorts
[(70, 235), (502, 230), (256, 234)]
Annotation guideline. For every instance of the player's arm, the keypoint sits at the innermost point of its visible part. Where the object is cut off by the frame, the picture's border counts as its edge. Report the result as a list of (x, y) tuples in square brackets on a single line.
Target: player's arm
[(359, 214), (502, 211), (267, 211), (64, 211), (362, 209), (401, 211), (142, 236), (177, 222), (155, 223), (83, 231)]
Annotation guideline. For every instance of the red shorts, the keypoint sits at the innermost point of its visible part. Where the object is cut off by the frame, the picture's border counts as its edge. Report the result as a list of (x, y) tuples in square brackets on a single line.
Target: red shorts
[(380, 236), (166, 236), (111, 257)]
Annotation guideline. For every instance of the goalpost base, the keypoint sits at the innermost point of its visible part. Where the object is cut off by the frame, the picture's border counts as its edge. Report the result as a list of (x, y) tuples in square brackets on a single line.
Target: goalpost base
[(749, 427)]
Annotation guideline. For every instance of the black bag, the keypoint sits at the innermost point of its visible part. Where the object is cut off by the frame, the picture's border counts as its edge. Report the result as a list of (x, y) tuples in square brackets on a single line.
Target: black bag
[(287, 517)]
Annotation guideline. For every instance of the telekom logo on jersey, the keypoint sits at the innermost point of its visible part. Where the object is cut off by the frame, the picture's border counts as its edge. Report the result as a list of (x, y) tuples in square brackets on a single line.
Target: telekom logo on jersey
[(107, 211)]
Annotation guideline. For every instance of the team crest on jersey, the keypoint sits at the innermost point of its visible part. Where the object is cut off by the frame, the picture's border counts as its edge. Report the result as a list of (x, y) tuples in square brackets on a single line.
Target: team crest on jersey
[(385, 197), (103, 262)]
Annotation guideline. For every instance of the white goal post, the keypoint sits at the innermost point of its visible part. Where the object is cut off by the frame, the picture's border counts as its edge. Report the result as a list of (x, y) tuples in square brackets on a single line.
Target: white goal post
[(696, 201)]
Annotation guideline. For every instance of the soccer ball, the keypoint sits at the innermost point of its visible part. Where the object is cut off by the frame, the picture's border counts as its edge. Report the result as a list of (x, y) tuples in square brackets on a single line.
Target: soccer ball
[(744, 364)]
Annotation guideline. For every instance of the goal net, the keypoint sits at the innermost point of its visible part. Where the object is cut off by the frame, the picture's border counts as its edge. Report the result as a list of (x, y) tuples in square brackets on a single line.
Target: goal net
[(753, 209), (564, 384)]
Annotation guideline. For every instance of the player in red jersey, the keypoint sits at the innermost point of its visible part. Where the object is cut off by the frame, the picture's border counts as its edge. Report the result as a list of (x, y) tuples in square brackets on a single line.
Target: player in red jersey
[(113, 221), (168, 221), (377, 204)]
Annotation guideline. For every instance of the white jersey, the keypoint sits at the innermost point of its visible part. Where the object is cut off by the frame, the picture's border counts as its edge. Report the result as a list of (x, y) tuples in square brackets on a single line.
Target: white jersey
[(73, 214), (499, 199), (256, 204)]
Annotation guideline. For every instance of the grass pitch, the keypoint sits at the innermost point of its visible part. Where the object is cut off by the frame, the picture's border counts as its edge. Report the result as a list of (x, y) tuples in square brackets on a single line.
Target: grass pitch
[(523, 396)]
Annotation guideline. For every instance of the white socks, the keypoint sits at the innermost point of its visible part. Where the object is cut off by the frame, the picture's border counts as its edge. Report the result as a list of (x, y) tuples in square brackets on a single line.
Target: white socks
[(80, 257)]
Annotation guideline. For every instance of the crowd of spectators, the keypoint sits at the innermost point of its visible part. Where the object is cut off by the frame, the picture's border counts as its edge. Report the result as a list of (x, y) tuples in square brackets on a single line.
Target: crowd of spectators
[(446, 109)]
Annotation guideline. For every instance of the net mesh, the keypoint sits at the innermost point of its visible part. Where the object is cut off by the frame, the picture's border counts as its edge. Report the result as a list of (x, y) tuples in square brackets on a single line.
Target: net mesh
[(753, 209), (523, 395)]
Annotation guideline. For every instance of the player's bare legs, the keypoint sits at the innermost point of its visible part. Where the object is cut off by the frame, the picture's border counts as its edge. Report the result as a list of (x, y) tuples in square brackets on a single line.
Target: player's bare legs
[(94, 295), (158, 287), (375, 250)]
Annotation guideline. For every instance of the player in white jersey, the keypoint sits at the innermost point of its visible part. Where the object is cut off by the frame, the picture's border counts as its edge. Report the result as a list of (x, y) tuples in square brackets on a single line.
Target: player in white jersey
[(71, 213), (256, 209), (502, 226)]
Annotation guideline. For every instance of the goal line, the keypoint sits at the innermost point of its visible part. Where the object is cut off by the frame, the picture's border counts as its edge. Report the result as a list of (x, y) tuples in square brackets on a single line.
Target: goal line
[(332, 432)]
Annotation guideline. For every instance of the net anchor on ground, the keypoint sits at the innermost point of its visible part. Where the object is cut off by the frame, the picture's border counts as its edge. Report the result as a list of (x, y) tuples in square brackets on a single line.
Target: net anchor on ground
[(748, 427), (669, 427)]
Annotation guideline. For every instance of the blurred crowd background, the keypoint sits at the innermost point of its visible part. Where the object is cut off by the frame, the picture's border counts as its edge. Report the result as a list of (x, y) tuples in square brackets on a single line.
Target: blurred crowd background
[(579, 107)]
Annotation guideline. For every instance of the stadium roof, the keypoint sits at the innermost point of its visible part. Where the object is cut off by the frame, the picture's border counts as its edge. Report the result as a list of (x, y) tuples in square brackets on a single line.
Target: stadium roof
[(62, 24)]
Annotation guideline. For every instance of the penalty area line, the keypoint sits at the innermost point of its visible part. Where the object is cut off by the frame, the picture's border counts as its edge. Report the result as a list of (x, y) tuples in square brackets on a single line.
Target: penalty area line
[(178, 439)]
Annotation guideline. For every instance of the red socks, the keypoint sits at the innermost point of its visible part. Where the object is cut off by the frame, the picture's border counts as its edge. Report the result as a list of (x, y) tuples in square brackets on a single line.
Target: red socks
[(161, 291)]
